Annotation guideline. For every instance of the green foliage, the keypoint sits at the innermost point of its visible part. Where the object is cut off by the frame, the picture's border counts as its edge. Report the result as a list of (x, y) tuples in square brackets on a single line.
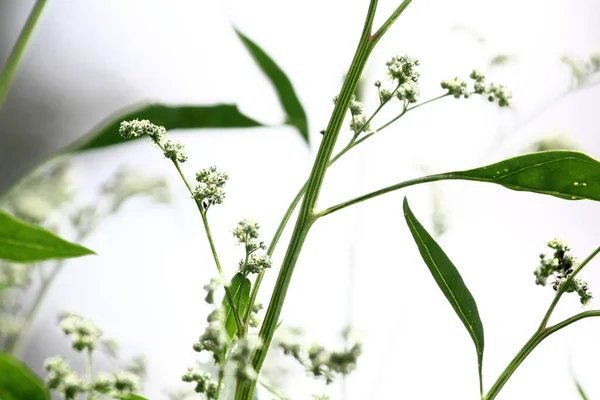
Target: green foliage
[(171, 117), (240, 288), (295, 114), (17, 382), (570, 175), (449, 280), (23, 242)]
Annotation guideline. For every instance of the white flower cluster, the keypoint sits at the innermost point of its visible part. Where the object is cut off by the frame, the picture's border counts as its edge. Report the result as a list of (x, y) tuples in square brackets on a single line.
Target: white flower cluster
[(242, 357), (158, 134), (560, 266), (84, 333), (458, 88), (246, 234), (211, 186), (203, 381), (119, 384), (403, 70), (316, 359)]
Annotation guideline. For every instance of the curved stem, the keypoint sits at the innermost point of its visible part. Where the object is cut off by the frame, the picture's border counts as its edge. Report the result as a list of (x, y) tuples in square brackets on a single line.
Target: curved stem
[(536, 339), (213, 249), (10, 68)]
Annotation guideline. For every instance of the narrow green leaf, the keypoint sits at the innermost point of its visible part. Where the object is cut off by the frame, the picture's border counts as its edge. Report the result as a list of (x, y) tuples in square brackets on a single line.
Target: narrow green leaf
[(295, 114), (566, 174), (450, 282), (580, 390), (23, 242), (17, 382), (171, 117), (240, 290)]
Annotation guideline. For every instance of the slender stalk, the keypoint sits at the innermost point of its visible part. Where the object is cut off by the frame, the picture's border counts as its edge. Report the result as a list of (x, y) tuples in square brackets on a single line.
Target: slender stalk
[(542, 331), (272, 390), (536, 339), (10, 68), (14, 343), (213, 249), (90, 372)]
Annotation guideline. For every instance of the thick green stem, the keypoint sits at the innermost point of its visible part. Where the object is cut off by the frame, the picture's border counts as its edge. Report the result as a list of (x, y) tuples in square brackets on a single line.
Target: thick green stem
[(307, 216), (10, 68)]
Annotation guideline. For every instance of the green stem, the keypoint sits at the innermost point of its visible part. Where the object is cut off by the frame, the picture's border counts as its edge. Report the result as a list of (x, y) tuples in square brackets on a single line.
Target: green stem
[(90, 372), (536, 339), (211, 242), (307, 216), (272, 390), (10, 68)]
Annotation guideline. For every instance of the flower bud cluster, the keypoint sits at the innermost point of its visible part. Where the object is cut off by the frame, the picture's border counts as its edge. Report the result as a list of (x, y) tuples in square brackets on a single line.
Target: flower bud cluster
[(62, 379), (158, 134), (358, 122), (210, 288), (403, 70), (117, 384), (214, 339), (246, 234), (204, 384), (316, 359), (211, 186), (458, 88), (84, 333), (242, 357), (14, 275), (560, 266)]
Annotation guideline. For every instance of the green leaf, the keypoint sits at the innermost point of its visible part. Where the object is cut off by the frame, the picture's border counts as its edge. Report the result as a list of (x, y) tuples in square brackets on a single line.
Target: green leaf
[(295, 114), (134, 397), (23, 242), (240, 291), (17, 382), (450, 282), (580, 390), (171, 117), (566, 174)]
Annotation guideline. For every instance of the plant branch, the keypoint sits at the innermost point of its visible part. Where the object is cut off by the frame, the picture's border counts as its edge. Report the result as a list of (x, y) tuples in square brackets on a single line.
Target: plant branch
[(211, 242), (306, 216), (10, 68)]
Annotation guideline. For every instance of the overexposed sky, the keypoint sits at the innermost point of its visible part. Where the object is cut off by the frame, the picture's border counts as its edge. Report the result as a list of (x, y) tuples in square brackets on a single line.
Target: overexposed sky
[(145, 288)]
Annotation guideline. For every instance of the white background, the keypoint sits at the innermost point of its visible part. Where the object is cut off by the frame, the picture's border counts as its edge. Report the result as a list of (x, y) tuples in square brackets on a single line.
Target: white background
[(358, 266)]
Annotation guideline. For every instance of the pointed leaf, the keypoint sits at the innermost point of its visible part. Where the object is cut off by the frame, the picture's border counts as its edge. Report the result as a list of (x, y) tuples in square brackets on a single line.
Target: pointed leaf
[(240, 290), (23, 242), (450, 282), (17, 382), (566, 174), (171, 117), (296, 116)]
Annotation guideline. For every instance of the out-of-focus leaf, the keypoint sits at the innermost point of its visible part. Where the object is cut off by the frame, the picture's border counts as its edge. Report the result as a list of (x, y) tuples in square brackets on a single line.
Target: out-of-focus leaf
[(171, 117), (23, 242), (580, 390), (240, 291), (295, 114), (449, 281), (570, 175), (17, 382), (501, 59), (134, 397)]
